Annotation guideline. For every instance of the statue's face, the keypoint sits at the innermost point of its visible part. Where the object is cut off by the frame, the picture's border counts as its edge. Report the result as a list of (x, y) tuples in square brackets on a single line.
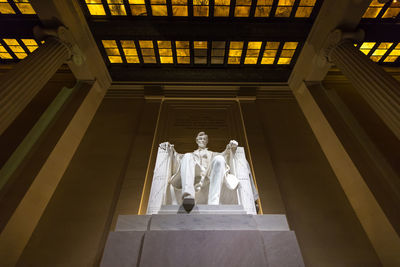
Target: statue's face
[(202, 141)]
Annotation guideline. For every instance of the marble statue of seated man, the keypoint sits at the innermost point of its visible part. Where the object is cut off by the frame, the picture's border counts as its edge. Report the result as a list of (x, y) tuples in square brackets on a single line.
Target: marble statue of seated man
[(196, 169)]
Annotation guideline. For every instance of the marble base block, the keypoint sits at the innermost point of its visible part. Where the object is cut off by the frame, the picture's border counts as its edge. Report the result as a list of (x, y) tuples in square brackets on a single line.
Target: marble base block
[(199, 240)]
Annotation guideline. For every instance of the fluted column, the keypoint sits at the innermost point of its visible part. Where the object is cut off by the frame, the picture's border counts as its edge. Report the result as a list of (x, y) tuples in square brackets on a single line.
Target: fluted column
[(20, 85), (380, 90)]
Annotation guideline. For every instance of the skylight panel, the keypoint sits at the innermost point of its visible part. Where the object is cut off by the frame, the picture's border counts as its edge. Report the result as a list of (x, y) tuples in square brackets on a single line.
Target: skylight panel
[(138, 7), (284, 8), (17, 49), (393, 55), (221, 8), (179, 8), (380, 51), (112, 51), (218, 52), (5, 7), (130, 51), (30, 44), (200, 52), (159, 8), (4, 53), (95, 7), (242, 8), (271, 49), (147, 49), (116, 7), (165, 52), (182, 52), (287, 53), (393, 10), (373, 9), (200, 8), (25, 7), (253, 51), (305, 8), (263, 8), (366, 47), (235, 52)]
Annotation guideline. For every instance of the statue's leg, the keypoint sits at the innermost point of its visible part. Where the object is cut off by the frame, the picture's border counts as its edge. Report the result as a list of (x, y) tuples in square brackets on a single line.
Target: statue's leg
[(216, 177), (187, 175)]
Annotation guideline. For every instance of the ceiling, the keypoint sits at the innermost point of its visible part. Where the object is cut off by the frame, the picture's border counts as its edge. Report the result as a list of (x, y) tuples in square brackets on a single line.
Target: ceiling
[(201, 40)]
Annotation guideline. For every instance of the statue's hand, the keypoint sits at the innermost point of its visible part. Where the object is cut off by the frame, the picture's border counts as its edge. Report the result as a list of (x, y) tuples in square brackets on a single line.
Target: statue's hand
[(166, 146), (232, 145), (199, 185)]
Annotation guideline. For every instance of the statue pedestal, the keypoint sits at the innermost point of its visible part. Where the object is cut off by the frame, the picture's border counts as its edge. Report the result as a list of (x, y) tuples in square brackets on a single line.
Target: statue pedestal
[(201, 240)]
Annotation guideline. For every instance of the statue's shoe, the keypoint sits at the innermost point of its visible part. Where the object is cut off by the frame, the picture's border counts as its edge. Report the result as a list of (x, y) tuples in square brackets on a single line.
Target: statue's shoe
[(188, 204)]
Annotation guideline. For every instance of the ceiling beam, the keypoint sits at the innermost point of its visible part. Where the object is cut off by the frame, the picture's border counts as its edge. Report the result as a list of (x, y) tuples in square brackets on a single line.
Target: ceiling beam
[(200, 29), (17, 27), (380, 32), (199, 75)]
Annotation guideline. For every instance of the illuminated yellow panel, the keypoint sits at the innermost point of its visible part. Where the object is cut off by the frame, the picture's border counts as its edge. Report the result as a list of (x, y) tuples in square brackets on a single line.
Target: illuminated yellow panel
[(16, 48), (138, 7), (116, 7), (112, 51), (217, 52), (284, 61), (235, 52), (159, 10), (253, 51), (287, 53), (393, 55), (200, 52), (115, 59), (165, 52), (95, 7), (179, 8), (4, 54), (147, 50), (24, 6), (390, 59), (290, 45), (367, 45), (373, 9), (221, 8), (130, 51), (242, 8), (303, 12), (375, 58), (5, 7), (30, 44), (200, 8), (284, 8), (271, 48), (263, 8), (391, 12), (182, 52)]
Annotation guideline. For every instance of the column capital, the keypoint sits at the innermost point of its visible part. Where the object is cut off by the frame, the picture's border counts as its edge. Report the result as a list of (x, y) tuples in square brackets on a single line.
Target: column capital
[(338, 37), (63, 36)]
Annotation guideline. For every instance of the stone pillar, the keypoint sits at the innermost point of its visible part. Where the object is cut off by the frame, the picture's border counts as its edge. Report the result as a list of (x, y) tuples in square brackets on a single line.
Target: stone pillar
[(380, 90), (19, 86)]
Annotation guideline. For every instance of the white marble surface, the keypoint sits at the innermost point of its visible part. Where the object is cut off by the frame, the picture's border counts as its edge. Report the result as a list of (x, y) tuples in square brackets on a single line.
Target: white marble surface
[(166, 188), (203, 209), (203, 222)]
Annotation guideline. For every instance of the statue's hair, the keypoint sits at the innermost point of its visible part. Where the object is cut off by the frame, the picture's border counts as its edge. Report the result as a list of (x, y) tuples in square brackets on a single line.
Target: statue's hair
[(201, 134)]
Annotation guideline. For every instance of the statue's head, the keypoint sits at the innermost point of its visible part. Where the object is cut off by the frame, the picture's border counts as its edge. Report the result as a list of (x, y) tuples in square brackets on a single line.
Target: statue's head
[(202, 140)]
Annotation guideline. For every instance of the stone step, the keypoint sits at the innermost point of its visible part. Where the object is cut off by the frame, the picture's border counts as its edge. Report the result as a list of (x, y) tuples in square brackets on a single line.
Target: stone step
[(203, 209)]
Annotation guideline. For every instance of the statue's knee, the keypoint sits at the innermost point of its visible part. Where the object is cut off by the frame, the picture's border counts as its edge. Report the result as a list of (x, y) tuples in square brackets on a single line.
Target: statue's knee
[(219, 160)]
